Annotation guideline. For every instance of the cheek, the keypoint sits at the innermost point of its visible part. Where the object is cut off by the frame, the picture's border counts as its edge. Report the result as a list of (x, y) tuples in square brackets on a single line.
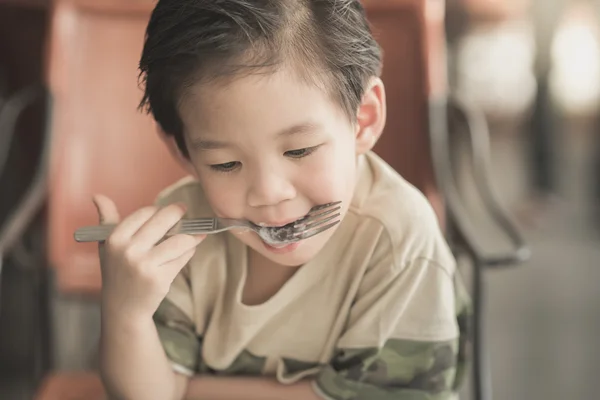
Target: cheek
[(222, 196), (330, 177)]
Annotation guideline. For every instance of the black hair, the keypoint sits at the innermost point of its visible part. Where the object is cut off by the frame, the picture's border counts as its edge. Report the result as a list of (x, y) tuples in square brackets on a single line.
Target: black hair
[(327, 43)]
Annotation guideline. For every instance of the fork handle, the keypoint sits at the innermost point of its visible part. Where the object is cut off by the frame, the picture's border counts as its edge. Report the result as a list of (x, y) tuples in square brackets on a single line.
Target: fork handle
[(97, 233)]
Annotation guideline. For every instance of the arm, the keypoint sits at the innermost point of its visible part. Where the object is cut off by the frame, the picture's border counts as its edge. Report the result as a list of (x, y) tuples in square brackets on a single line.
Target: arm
[(131, 355), (238, 388), (182, 345), (403, 339), (136, 275), (418, 362)]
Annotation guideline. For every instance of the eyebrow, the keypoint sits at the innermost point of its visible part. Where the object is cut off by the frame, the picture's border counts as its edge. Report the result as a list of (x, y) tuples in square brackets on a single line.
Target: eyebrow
[(303, 128)]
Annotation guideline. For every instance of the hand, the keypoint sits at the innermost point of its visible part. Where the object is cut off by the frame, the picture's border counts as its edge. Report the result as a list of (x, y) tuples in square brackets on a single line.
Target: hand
[(137, 270)]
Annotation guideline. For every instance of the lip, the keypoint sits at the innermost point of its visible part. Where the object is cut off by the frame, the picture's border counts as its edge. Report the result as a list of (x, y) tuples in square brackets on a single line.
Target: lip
[(282, 250), (277, 224)]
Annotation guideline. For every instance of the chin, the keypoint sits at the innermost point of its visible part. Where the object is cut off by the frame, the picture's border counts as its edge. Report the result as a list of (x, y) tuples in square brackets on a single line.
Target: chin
[(292, 255)]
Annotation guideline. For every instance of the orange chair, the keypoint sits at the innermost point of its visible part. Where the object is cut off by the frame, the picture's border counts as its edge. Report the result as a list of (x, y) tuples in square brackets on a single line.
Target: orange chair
[(411, 34), (100, 140), (101, 143)]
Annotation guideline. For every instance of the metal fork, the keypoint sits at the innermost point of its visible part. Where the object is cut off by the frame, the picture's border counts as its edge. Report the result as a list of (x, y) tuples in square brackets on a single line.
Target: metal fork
[(319, 219)]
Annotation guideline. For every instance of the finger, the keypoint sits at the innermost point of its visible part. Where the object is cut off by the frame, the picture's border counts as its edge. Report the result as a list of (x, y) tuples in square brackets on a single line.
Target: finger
[(107, 209), (172, 248), (107, 214), (155, 228), (172, 268), (132, 223)]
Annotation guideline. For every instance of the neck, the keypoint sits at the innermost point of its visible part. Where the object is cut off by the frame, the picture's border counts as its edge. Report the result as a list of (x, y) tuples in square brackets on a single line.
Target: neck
[(264, 278)]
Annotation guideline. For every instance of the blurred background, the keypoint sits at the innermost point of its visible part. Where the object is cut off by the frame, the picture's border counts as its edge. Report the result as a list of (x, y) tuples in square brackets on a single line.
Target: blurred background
[(520, 78)]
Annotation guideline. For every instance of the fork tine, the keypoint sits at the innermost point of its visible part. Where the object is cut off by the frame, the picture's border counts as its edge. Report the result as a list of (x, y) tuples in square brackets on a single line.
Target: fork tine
[(310, 233), (196, 223), (312, 217), (320, 222), (203, 225), (322, 206), (195, 230)]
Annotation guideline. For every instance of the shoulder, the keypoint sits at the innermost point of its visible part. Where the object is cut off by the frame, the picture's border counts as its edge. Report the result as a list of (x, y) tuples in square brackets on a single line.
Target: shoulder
[(410, 231), (188, 191)]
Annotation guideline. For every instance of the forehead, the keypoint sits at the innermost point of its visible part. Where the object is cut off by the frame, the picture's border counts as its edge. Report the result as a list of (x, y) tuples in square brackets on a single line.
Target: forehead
[(258, 102)]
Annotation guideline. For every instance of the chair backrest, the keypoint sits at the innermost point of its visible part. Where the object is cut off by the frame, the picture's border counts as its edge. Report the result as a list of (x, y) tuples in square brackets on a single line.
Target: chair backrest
[(411, 34), (101, 142)]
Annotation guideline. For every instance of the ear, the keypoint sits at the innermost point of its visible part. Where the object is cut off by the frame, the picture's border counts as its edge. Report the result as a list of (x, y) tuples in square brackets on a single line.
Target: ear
[(370, 116), (171, 143)]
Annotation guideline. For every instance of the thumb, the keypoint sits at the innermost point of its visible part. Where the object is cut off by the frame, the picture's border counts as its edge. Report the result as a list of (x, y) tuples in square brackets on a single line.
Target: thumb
[(107, 210)]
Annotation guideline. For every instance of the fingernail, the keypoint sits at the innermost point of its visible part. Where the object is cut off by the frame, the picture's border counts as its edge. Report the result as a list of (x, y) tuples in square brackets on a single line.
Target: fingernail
[(95, 201), (199, 238)]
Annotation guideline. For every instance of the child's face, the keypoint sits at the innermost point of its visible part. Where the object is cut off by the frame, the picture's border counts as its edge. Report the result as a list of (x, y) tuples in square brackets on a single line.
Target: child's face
[(268, 148)]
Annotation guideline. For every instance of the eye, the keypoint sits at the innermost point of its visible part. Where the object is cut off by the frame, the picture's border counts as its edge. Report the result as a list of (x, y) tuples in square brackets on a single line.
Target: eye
[(226, 167), (301, 152)]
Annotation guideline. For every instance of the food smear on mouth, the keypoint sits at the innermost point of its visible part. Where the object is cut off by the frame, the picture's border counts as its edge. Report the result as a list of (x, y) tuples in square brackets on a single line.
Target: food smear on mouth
[(280, 235)]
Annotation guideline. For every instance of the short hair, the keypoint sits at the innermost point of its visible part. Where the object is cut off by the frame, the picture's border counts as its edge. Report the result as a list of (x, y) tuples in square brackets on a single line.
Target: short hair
[(328, 43)]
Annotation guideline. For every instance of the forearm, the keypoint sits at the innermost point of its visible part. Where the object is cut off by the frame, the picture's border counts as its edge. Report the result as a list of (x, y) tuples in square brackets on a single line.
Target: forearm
[(228, 388), (132, 361)]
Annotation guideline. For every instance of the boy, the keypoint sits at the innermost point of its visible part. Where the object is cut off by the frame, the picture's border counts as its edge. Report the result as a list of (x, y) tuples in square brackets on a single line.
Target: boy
[(274, 106)]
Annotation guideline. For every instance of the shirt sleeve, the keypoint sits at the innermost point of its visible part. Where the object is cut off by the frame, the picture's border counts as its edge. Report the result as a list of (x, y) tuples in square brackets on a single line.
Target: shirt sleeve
[(403, 336), (174, 317), (176, 328)]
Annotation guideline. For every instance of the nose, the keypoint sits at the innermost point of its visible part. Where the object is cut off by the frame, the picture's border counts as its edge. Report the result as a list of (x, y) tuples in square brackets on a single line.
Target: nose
[(269, 187)]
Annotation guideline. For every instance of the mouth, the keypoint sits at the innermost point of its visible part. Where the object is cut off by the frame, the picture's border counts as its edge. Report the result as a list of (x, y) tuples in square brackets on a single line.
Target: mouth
[(277, 224), (281, 248), (275, 235), (285, 235)]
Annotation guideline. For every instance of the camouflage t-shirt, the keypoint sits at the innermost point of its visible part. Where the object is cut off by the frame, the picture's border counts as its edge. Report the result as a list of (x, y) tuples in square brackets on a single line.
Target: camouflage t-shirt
[(379, 313)]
